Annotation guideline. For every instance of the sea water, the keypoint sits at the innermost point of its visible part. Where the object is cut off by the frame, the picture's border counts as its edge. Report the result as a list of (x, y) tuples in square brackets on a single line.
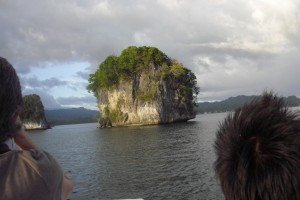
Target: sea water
[(173, 161)]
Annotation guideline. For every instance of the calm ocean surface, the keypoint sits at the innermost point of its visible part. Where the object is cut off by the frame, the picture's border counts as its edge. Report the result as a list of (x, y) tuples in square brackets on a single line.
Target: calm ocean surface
[(172, 161)]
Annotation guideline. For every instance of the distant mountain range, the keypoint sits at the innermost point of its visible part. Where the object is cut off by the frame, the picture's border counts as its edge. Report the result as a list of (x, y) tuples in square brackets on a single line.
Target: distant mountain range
[(232, 103), (82, 115), (71, 116)]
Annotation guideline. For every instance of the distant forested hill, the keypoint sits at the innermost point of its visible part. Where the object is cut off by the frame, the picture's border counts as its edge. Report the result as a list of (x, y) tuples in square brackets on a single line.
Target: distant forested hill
[(71, 116), (234, 102)]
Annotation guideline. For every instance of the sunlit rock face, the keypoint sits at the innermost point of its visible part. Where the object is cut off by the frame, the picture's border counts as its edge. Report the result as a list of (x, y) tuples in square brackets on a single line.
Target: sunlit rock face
[(145, 100), (32, 125)]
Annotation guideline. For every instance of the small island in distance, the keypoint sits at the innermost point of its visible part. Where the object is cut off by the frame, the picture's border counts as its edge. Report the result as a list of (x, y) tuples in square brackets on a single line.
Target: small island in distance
[(35, 117)]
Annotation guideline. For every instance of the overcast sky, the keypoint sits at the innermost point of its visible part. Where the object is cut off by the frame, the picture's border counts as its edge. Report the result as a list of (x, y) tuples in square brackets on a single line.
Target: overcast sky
[(235, 47)]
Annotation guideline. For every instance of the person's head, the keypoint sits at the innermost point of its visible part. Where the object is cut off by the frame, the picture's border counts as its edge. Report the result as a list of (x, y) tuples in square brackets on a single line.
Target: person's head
[(258, 152), (10, 99)]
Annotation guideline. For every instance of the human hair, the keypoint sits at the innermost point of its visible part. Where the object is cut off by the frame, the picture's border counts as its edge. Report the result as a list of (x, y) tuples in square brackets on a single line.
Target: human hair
[(258, 151), (10, 99)]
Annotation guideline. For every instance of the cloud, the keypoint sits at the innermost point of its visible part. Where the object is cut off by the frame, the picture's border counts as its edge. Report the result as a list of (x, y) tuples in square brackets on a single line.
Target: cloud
[(83, 75), (76, 100), (89, 102), (50, 102), (232, 77), (36, 83), (233, 46)]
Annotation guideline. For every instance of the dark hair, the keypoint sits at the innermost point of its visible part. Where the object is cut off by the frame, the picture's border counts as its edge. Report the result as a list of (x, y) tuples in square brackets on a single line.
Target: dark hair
[(10, 99), (258, 151)]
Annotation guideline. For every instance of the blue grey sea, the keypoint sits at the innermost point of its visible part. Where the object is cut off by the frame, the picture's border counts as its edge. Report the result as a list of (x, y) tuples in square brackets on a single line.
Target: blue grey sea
[(172, 161)]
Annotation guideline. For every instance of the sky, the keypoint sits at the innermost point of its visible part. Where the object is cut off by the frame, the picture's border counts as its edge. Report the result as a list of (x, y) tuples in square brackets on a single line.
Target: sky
[(234, 47)]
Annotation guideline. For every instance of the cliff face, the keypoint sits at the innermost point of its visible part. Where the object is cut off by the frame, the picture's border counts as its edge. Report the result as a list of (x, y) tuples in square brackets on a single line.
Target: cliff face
[(144, 100), (33, 114)]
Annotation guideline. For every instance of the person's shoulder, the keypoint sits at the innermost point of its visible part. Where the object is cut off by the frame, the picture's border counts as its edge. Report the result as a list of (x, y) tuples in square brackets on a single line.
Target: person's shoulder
[(37, 170), (46, 167), (38, 155), (40, 159)]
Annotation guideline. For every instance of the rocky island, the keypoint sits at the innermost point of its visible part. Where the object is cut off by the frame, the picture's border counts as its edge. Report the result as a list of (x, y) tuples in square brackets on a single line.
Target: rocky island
[(143, 86), (33, 114)]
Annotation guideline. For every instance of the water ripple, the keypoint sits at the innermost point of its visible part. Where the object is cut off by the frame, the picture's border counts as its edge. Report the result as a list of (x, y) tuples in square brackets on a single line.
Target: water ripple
[(151, 162)]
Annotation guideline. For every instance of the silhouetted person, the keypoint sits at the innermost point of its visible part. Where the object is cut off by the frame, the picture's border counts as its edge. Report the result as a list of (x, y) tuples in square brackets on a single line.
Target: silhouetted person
[(258, 152), (30, 173)]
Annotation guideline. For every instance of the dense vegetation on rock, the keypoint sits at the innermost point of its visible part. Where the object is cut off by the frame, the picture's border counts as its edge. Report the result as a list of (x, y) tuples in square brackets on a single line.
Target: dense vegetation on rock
[(152, 75), (133, 60), (126, 66), (33, 108)]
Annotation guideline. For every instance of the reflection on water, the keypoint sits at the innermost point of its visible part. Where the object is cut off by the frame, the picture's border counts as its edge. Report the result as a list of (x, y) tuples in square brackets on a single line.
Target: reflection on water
[(172, 161)]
